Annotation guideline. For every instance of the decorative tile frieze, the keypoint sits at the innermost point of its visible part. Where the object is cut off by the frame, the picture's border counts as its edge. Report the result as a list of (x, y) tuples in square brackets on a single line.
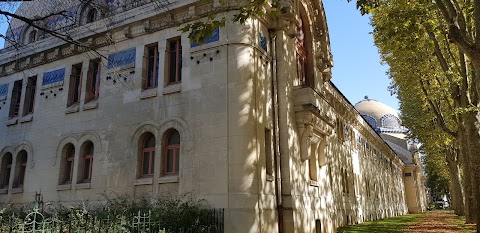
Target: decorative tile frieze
[(3, 91), (155, 23), (122, 59), (213, 38), (53, 78)]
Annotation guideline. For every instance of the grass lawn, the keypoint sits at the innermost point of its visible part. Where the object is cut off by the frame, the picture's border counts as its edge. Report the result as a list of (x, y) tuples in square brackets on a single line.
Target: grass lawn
[(395, 224)]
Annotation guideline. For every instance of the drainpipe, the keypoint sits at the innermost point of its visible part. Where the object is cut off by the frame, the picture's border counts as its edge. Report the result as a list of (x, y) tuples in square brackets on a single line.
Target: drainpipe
[(276, 141)]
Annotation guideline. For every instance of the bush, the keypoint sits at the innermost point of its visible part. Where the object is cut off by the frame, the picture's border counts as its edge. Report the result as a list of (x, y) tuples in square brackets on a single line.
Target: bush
[(183, 213)]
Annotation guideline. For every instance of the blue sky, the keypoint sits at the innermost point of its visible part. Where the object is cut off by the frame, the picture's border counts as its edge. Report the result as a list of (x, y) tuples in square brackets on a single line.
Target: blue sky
[(357, 71)]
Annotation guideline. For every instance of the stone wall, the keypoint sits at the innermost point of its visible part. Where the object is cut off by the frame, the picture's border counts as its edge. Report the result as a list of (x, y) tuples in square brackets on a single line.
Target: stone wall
[(224, 110)]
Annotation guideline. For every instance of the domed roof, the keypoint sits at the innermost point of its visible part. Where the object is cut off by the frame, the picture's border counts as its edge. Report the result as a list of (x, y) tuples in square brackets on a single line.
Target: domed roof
[(378, 115), (41, 9), (55, 15)]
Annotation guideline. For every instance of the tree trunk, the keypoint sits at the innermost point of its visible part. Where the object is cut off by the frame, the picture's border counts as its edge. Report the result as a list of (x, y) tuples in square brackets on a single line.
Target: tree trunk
[(456, 188), (470, 163), (466, 177)]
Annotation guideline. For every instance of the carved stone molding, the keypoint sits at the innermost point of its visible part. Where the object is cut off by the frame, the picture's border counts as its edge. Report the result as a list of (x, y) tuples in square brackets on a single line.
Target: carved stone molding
[(313, 132)]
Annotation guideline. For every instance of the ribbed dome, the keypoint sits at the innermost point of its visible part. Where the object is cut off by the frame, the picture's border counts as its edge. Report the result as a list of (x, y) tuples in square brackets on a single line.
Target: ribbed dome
[(39, 9), (61, 15), (378, 114)]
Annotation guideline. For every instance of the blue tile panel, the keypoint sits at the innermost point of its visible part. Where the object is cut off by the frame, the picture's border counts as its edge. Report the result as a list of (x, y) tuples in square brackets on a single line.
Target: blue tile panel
[(124, 59), (64, 20), (3, 91), (370, 120), (262, 41), (53, 78), (215, 37)]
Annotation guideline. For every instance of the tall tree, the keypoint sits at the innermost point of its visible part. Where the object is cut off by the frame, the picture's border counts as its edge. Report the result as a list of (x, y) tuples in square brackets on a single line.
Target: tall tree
[(414, 39)]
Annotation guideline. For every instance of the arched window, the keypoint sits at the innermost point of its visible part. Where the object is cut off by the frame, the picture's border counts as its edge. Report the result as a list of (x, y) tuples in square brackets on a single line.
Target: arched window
[(390, 121), (148, 155), (5, 171), (20, 168), (32, 36), (171, 155), (303, 46), (301, 54), (91, 15), (68, 164), (87, 162)]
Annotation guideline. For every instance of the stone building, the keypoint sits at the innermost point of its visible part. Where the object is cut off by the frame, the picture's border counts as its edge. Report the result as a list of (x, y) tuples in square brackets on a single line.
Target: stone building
[(248, 121), (387, 122)]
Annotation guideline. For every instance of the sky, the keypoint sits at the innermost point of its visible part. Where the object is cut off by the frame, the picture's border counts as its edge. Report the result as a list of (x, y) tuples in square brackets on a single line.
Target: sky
[(357, 71)]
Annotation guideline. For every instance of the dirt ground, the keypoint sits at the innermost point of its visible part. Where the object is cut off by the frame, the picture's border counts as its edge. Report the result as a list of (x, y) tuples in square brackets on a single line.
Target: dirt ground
[(441, 221)]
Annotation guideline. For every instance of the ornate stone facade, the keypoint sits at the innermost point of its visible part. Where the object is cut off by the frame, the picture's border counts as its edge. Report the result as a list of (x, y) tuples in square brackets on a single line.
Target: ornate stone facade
[(280, 150)]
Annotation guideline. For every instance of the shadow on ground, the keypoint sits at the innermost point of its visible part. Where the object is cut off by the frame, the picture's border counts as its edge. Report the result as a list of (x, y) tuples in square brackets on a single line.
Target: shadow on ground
[(433, 221)]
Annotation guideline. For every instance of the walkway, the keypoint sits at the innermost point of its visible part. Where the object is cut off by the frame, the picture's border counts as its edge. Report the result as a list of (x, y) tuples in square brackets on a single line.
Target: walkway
[(441, 221), (433, 221)]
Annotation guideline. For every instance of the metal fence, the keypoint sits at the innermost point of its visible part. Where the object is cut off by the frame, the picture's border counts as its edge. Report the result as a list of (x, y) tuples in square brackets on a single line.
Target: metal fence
[(77, 221)]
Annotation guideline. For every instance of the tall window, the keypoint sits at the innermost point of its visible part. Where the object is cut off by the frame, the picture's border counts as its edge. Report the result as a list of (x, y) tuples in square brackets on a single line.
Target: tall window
[(268, 152), (5, 171), (91, 15), (69, 162), (148, 155), (346, 184), (15, 101), (93, 80), (172, 152), (30, 95), (75, 85), (174, 60), (150, 78), (88, 151), (21, 167), (301, 54), (32, 37)]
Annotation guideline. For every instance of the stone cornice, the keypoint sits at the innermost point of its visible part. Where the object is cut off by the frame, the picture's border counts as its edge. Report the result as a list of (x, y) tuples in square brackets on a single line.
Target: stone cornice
[(347, 112)]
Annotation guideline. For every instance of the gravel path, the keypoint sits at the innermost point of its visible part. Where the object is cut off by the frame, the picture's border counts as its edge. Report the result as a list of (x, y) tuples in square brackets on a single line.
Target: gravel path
[(440, 221)]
